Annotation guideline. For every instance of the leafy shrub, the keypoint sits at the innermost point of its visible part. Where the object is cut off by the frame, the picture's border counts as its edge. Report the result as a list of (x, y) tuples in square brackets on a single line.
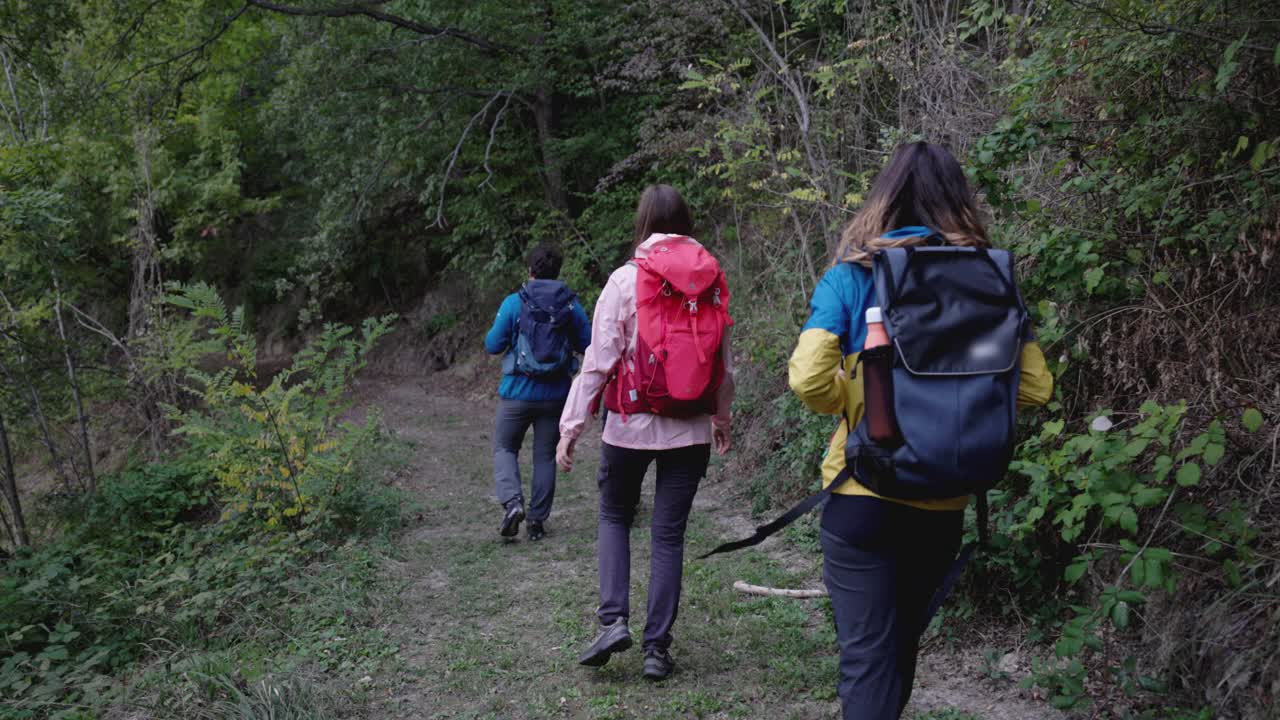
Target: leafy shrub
[(1115, 513), (198, 550), (280, 452)]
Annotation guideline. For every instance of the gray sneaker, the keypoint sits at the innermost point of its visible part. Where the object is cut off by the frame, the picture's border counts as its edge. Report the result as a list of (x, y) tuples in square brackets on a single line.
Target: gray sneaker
[(612, 638), (658, 664)]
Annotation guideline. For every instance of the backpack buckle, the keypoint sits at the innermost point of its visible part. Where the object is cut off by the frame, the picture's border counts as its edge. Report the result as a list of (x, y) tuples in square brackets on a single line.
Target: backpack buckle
[(715, 296), (692, 304), (666, 289)]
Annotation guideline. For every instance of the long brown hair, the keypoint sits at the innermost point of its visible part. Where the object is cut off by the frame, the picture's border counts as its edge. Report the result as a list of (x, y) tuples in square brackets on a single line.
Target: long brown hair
[(923, 184), (661, 210)]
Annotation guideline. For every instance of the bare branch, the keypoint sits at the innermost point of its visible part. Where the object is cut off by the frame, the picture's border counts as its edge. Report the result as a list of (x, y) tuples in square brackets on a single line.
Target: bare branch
[(367, 9), (20, 125), (1158, 29), (457, 150), (748, 588), (74, 382), (449, 90), (226, 25), (493, 133)]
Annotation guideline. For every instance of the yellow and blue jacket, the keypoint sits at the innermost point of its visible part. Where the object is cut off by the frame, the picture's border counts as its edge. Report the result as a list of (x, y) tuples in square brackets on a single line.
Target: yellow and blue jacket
[(830, 342)]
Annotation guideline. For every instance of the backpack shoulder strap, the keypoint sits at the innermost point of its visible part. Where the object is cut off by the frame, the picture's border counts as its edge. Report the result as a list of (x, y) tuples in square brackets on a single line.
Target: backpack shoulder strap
[(798, 510)]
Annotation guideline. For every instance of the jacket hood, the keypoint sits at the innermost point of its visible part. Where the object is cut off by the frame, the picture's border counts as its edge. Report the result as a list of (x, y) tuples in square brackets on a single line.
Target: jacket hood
[(551, 296), (691, 273)]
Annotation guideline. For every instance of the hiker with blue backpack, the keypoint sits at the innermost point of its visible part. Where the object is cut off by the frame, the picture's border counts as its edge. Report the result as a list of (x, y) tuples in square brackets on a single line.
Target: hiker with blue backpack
[(662, 364), (918, 338), (540, 328)]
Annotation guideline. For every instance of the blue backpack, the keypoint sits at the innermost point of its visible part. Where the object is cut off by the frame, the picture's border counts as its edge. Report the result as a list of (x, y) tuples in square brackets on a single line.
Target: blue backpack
[(542, 348)]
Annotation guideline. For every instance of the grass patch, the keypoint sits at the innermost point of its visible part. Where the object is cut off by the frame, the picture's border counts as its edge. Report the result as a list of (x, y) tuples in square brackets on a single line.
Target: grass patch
[(145, 601)]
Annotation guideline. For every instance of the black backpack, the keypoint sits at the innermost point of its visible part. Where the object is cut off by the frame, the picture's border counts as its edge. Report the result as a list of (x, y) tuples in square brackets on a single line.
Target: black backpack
[(957, 324)]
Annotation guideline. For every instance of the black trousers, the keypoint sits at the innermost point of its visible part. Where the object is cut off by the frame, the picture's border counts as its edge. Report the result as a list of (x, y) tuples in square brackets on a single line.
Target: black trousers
[(882, 562)]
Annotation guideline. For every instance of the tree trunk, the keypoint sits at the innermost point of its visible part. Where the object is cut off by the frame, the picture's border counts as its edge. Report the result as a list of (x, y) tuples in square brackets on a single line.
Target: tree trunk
[(145, 288), (544, 116), (37, 416), (10, 489), (552, 177), (72, 378)]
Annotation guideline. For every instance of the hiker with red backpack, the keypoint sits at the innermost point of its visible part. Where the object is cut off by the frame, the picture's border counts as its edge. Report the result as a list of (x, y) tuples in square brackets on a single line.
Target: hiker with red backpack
[(928, 402), (660, 361), (539, 329)]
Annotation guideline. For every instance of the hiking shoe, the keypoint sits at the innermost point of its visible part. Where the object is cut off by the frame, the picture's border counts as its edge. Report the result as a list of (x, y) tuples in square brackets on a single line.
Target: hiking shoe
[(612, 638), (511, 521), (658, 664), (536, 530)]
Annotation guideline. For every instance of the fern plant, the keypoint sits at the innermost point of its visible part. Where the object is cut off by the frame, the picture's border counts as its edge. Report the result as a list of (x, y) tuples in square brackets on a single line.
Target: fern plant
[(276, 445)]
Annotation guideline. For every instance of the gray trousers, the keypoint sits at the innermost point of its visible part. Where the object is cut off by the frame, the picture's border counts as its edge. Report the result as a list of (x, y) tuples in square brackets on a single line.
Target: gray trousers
[(621, 473), (513, 421)]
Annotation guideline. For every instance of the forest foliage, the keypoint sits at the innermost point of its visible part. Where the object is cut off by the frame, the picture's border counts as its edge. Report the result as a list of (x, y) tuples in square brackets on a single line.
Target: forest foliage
[(312, 162)]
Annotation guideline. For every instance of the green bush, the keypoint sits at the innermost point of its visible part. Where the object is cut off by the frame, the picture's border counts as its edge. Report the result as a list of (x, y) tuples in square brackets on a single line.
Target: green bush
[(1091, 532), (215, 544), (279, 448)]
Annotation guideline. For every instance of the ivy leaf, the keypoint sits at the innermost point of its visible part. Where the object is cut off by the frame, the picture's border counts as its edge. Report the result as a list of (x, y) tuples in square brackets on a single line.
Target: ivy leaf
[(1164, 464), (1227, 69), (1129, 520), (1155, 571), (1092, 277), (1068, 647), (1261, 154), (1188, 474), (1213, 453), (1133, 597), (1252, 419), (1144, 496), (1136, 447), (1075, 571), (1120, 615)]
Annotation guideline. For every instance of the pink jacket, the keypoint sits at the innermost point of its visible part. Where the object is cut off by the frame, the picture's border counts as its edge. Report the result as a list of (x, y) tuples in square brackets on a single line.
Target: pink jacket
[(613, 337)]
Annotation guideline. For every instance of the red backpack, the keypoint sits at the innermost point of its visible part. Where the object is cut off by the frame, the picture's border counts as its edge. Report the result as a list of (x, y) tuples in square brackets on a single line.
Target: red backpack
[(682, 311)]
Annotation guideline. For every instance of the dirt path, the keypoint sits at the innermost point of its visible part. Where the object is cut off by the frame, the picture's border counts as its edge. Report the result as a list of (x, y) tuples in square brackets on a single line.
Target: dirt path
[(491, 629)]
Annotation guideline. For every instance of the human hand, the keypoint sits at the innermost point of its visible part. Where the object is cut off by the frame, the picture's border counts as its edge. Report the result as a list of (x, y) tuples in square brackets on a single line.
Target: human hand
[(722, 438), (564, 453)]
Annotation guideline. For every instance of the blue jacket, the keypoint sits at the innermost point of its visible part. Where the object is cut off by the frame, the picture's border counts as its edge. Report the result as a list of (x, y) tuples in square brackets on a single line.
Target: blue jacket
[(502, 336), (828, 348)]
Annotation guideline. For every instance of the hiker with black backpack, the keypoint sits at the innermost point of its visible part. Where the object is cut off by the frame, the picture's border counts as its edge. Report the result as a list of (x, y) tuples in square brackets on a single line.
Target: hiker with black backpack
[(661, 362), (540, 328), (928, 410)]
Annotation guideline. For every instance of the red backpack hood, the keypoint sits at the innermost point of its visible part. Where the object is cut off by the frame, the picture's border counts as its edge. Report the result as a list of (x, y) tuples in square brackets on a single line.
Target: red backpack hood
[(681, 261)]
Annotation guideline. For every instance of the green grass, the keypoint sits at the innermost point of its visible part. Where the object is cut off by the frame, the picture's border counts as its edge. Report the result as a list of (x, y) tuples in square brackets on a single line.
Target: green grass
[(519, 614)]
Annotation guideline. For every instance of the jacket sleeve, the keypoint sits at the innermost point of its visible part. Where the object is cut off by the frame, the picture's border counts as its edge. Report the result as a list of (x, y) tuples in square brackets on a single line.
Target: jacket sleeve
[(582, 328), (499, 337), (1035, 386), (603, 354), (812, 372)]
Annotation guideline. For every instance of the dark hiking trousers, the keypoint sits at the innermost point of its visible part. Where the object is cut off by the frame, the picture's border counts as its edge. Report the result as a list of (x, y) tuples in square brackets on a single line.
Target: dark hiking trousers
[(622, 471), (882, 562), (514, 419)]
